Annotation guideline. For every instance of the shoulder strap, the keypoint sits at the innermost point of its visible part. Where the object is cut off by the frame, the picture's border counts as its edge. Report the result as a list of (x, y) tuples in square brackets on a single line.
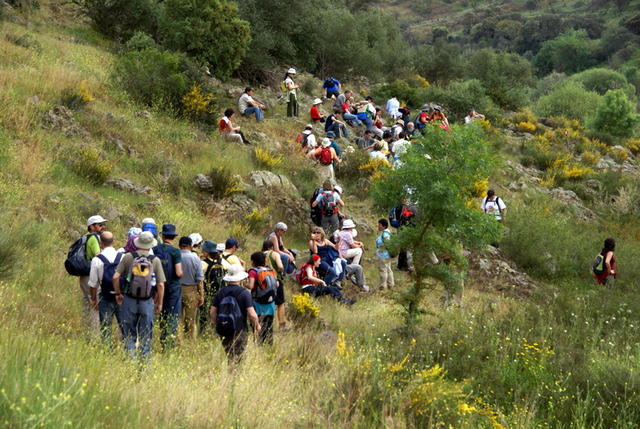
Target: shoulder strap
[(118, 258), (103, 258), (226, 258)]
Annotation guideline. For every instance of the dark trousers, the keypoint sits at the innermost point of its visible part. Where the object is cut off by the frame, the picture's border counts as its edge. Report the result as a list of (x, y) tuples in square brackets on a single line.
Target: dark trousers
[(266, 333), (292, 105), (171, 306), (317, 291), (234, 346)]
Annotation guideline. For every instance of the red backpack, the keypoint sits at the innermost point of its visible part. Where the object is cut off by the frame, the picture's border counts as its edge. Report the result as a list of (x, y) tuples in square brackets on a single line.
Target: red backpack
[(325, 157)]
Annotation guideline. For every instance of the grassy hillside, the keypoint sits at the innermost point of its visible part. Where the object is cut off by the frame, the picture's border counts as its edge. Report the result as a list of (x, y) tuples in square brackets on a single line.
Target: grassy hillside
[(562, 354)]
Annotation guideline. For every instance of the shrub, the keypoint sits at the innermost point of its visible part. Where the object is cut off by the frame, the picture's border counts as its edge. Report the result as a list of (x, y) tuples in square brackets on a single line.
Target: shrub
[(619, 155), (152, 77), (120, 19), (266, 159), (526, 127), (258, 219), (303, 307), (25, 41), (350, 168), (524, 115), (87, 162), (209, 30), (77, 96), (633, 146), (569, 100), (601, 80), (590, 158), (570, 52), (199, 105), (223, 182), (616, 115), (140, 41)]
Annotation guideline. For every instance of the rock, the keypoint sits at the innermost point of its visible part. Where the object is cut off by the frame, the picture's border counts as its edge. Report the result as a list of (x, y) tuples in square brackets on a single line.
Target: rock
[(203, 182), (605, 163), (235, 92), (111, 213), (60, 118), (492, 270), (571, 199), (143, 114), (73, 234), (256, 136), (546, 122), (128, 186), (115, 143), (273, 181)]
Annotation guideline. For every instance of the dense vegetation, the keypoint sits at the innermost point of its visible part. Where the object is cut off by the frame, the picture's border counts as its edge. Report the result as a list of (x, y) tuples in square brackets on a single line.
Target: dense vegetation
[(138, 106)]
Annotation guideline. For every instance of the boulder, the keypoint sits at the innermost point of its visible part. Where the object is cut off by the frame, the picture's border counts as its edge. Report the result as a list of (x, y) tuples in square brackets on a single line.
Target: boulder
[(203, 182), (235, 92), (128, 186), (492, 270), (60, 118), (572, 200), (143, 114), (275, 182)]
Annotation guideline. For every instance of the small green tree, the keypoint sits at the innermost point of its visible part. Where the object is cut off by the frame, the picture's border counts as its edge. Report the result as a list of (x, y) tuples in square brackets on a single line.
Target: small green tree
[(570, 52), (209, 30), (615, 115), (438, 176), (570, 100), (120, 19)]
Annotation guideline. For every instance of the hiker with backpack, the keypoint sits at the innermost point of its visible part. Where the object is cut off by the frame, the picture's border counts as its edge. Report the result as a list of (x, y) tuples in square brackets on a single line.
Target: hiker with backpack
[(248, 106), (78, 263), (230, 309), (325, 155), (329, 202), (308, 278), (291, 91), (384, 256), (171, 260), (314, 112), (229, 256), (138, 286), (103, 267), (306, 139), (192, 286), (423, 118), (605, 269), (213, 274), (287, 256), (263, 285), (332, 266), (274, 261), (331, 87), (494, 206), (228, 131), (400, 217)]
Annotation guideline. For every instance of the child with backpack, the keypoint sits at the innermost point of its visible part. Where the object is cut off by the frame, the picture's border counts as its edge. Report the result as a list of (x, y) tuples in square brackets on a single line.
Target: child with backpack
[(604, 265), (263, 285), (230, 309)]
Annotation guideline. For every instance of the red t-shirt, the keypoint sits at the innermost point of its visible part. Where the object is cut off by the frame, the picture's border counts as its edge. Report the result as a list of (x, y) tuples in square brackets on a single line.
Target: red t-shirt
[(315, 113), (223, 125)]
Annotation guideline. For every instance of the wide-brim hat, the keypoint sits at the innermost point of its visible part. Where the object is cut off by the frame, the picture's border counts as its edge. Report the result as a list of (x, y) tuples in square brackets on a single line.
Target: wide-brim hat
[(209, 246), (400, 121), (291, 71), (145, 241), (317, 101), (196, 238), (326, 142), (347, 224), (235, 273), (169, 230)]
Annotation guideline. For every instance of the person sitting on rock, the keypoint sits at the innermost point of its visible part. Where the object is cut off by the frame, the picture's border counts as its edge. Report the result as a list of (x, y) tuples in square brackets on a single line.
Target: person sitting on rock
[(248, 106), (334, 124), (472, 115), (313, 285), (314, 112), (227, 129)]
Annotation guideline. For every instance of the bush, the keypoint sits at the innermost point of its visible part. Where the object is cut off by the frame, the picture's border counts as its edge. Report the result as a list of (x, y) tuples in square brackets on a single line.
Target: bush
[(569, 100), (140, 41), (570, 52), (601, 80), (87, 162), (526, 127), (121, 19), (199, 105), (208, 30), (615, 115), (152, 77), (25, 41), (266, 159), (223, 182)]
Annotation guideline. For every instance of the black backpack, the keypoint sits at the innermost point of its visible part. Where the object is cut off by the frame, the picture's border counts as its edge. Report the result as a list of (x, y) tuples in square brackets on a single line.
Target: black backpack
[(315, 212), (76, 263), (328, 204), (229, 318), (213, 276), (162, 252), (106, 285)]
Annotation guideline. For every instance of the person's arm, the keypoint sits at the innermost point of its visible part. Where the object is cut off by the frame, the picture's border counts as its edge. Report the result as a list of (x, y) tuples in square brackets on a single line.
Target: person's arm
[(116, 287), (94, 281), (314, 279), (253, 318), (312, 246), (329, 243), (276, 245), (312, 154), (159, 296), (177, 269), (278, 259), (252, 283), (334, 155), (213, 313), (607, 262)]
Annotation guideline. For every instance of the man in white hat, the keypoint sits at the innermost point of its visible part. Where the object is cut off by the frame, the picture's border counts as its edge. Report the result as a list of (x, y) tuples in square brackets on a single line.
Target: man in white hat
[(95, 226), (292, 93), (349, 249), (137, 314), (229, 311)]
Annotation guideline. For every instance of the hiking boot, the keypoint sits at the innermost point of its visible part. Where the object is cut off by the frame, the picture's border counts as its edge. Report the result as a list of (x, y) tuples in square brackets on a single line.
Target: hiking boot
[(366, 288), (348, 301), (353, 279)]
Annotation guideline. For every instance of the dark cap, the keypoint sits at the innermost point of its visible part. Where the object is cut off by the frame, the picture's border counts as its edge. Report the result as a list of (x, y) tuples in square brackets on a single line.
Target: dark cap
[(209, 246), (491, 193), (169, 230), (231, 242), (185, 242)]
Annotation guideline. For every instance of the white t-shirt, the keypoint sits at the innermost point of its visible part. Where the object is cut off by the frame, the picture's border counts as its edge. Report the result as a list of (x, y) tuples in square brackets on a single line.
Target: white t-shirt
[(311, 140), (243, 103), (494, 207), (97, 266), (376, 155), (392, 106), (288, 82)]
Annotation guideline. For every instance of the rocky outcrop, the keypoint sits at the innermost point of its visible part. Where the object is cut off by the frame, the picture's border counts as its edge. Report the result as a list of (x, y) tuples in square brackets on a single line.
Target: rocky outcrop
[(572, 200), (262, 179), (61, 119), (128, 186), (493, 271)]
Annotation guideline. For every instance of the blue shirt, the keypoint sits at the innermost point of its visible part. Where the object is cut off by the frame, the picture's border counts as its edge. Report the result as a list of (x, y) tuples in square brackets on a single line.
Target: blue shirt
[(265, 309), (381, 252), (331, 84), (191, 268)]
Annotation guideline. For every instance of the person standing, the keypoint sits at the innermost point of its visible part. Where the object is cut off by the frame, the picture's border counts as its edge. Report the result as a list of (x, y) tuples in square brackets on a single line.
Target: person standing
[(329, 201), (103, 267), (384, 257), (292, 93), (606, 267), (143, 288), (192, 286), (494, 206), (262, 277), (171, 260), (230, 309), (95, 225), (274, 261), (229, 256)]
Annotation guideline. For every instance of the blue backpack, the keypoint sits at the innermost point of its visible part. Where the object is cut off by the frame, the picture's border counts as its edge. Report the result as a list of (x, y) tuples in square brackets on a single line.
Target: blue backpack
[(393, 218), (229, 319), (168, 264), (106, 285)]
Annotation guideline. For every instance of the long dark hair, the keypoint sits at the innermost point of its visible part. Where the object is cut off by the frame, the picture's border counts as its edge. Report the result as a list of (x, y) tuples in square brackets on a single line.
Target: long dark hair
[(609, 245)]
